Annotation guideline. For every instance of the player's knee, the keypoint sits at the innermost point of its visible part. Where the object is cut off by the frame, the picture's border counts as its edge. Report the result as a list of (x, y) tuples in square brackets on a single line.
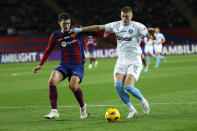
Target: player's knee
[(52, 82), (129, 88), (118, 85), (73, 86)]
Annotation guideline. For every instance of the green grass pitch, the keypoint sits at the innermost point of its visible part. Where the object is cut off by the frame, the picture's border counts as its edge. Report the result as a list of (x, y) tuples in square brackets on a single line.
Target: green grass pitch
[(171, 90)]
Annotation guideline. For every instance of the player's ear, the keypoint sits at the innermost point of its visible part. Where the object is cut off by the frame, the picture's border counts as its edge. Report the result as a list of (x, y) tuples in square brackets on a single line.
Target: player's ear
[(131, 15), (58, 22)]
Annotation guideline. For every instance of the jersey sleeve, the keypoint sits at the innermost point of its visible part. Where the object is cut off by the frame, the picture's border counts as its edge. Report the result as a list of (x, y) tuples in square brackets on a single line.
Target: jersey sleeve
[(48, 50), (162, 37), (110, 26), (142, 29), (145, 40)]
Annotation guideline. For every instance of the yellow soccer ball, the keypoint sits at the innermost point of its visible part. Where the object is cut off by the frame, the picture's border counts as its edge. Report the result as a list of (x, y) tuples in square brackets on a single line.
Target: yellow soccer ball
[(112, 115)]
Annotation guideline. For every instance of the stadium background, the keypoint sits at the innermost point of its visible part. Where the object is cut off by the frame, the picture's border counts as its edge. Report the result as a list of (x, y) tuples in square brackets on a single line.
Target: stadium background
[(25, 26)]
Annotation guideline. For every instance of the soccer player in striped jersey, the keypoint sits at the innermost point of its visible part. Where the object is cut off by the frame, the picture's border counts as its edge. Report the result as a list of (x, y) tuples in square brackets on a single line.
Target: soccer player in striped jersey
[(90, 43), (71, 65), (129, 62)]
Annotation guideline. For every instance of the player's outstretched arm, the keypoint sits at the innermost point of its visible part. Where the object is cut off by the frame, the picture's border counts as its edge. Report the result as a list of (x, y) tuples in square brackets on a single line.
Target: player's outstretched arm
[(93, 28), (37, 68)]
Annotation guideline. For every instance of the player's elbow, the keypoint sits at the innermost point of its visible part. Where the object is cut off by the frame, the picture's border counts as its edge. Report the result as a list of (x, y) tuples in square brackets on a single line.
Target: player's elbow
[(100, 28)]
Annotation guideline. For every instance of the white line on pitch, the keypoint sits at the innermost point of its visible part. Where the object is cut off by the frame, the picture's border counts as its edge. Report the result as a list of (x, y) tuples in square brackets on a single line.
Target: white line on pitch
[(76, 106)]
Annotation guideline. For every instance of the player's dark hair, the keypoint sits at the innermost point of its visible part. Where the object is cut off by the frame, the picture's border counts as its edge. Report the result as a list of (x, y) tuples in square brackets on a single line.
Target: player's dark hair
[(63, 16), (126, 9)]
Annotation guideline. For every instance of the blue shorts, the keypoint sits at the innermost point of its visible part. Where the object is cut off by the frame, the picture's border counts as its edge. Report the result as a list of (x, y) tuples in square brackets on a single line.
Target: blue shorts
[(68, 70), (91, 51)]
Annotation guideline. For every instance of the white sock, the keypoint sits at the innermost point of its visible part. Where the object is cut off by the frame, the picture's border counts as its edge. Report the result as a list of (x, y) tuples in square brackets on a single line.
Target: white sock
[(54, 110), (132, 108)]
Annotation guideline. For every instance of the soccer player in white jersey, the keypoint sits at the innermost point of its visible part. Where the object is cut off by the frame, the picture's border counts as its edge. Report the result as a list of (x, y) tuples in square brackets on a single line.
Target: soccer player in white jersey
[(148, 51), (129, 63), (160, 39)]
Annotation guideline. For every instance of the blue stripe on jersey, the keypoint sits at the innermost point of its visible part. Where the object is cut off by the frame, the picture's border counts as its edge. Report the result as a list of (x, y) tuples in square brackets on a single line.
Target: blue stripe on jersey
[(81, 50), (71, 53), (104, 27), (146, 34), (126, 25)]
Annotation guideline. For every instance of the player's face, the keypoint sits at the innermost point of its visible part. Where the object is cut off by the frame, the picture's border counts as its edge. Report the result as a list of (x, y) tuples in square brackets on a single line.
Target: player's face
[(64, 24), (157, 30), (126, 17)]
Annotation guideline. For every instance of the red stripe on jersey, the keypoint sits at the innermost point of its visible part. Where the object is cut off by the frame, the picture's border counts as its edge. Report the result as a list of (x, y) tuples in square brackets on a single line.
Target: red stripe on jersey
[(66, 54), (77, 52), (48, 50)]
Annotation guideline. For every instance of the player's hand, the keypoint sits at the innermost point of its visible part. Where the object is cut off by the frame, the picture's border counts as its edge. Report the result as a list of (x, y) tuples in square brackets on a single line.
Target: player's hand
[(75, 30), (72, 33), (151, 31), (37, 68), (106, 33), (72, 30)]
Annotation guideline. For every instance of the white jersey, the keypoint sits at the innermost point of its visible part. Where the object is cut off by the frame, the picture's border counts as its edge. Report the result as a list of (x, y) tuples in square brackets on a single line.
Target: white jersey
[(159, 38), (148, 42), (128, 39), (148, 45)]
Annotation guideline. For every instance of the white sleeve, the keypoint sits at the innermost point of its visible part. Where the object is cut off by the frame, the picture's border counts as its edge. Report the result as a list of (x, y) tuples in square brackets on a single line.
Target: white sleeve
[(163, 38), (110, 26), (145, 39), (142, 29)]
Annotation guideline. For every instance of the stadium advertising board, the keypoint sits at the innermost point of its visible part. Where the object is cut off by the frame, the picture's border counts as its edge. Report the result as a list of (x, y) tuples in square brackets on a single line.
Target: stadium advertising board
[(99, 54)]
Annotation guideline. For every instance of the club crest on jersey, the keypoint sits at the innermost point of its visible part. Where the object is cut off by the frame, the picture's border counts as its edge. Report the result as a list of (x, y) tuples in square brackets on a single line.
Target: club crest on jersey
[(63, 44), (130, 31)]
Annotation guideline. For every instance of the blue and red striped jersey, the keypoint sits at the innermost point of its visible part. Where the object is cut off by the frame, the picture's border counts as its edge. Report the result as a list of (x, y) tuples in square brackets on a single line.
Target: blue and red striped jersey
[(71, 48), (90, 42)]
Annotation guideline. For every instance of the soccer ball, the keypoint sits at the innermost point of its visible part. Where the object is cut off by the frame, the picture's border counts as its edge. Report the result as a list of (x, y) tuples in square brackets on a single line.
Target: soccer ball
[(112, 115)]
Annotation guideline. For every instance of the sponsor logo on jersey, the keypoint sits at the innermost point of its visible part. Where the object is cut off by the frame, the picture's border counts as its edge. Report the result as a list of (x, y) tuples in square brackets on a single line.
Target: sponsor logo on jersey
[(64, 43), (120, 38)]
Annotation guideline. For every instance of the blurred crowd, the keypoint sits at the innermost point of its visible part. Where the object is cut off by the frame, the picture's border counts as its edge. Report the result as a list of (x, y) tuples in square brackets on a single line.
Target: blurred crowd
[(23, 16), (149, 12), (35, 16), (192, 4)]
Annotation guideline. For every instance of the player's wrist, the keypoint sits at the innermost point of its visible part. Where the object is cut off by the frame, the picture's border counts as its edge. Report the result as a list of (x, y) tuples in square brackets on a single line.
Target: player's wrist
[(40, 66), (78, 30)]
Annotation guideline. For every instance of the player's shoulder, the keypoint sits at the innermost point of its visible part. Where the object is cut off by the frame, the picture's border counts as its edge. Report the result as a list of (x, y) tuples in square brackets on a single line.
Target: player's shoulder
[(160, 33), (114, 23), (138, 24), (57, 32)]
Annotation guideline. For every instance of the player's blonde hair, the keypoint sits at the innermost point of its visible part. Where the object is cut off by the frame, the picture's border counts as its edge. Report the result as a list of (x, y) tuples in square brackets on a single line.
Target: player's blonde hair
[(126, 9)]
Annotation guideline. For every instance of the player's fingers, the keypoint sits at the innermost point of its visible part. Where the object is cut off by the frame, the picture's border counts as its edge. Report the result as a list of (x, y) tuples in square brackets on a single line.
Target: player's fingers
[(36, 69), (72, 30)]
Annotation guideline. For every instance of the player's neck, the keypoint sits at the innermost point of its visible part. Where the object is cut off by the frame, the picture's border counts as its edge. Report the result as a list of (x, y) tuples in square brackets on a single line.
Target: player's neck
[(63, 31), (126, 24)]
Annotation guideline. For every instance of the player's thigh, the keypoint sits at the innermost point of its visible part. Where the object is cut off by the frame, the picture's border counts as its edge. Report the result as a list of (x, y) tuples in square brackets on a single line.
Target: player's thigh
[(146, 49), (74, 82), (91, 55), (151, 50), (133, 73), (158, 49), (56, 77), (129, 80), (119, 72)]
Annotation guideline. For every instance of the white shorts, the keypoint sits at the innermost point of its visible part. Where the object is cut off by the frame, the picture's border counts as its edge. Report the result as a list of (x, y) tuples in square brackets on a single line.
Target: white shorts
[(148, 49), (132, 68), (158, 48)]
